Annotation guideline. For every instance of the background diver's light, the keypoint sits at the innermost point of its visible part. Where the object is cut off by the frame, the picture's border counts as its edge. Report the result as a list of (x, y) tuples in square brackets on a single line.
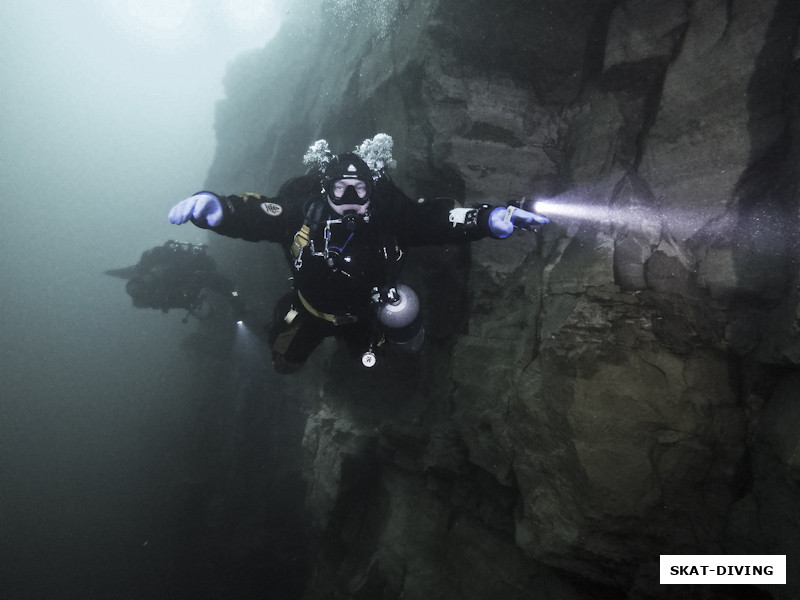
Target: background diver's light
[(240, 323)]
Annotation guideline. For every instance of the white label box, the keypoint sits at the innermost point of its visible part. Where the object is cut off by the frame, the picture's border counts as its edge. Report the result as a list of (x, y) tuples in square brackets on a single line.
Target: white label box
[(723, 569)]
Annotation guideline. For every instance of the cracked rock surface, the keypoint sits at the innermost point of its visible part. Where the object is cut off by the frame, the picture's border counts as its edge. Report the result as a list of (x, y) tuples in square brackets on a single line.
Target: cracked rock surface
[(620, 385)]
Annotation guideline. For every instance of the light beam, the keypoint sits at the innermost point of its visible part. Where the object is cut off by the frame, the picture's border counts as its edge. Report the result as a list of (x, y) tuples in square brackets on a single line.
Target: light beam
[(580, 207)]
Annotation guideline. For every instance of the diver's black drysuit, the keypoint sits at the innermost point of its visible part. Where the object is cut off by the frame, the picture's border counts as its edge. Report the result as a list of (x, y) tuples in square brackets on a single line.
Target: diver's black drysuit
[(338, 269)]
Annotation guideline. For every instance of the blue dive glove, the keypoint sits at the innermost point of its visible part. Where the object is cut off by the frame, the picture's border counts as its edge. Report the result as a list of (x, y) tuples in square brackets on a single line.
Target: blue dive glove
[(503, 220), (203, 208)]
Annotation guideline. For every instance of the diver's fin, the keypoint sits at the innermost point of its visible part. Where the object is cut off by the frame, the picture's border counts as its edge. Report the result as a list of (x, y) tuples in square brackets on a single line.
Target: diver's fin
[(124, 273)]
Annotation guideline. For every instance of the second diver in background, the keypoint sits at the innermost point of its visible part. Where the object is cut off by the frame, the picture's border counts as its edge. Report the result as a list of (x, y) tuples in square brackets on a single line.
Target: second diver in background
[(178, 275)]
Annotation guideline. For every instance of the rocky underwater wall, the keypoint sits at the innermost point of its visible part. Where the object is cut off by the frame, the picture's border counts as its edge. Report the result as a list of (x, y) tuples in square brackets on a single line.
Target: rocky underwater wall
[(622, 384)]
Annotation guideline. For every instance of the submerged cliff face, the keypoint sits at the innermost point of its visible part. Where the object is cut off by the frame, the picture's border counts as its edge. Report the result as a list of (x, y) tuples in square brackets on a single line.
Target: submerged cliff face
[(622, 384)]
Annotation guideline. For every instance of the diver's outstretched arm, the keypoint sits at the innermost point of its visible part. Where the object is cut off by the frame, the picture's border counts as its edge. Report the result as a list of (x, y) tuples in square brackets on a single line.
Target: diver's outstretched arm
[(204, 209)]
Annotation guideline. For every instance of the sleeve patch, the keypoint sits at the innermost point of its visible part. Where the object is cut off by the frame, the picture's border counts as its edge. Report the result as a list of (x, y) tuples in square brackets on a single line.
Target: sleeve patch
[(272, 209)]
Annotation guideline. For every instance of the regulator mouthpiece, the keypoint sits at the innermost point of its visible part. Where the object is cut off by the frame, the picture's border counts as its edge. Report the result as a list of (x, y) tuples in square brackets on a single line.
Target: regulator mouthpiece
[(350, 220)]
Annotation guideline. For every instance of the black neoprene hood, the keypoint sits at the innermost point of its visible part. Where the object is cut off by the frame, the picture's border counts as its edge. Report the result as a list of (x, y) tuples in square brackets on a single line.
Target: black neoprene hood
[(347, 166)]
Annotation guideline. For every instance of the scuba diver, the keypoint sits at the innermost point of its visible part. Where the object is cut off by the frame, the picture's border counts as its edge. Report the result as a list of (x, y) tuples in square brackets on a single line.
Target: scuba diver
[(346, 226), (178, 275)]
